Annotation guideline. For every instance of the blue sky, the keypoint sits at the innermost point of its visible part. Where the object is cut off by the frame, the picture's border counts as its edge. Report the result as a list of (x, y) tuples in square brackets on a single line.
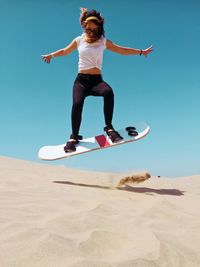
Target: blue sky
[(163, 89)]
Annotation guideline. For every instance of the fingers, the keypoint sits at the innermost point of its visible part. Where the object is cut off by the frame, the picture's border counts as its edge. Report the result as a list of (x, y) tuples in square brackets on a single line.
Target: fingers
[(148, 50), (46, 58)]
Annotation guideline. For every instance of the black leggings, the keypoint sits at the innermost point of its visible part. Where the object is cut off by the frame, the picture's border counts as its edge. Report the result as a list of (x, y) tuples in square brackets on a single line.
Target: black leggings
[(86, 85)]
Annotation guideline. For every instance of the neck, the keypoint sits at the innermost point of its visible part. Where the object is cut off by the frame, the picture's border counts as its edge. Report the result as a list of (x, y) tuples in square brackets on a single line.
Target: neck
[(90, 40)]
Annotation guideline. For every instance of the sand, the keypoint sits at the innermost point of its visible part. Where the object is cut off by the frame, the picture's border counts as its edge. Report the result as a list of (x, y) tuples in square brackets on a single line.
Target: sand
[(57, 217)]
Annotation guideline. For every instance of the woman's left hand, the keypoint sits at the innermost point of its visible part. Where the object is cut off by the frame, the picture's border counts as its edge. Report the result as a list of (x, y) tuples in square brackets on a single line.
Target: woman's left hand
[(146, 51)]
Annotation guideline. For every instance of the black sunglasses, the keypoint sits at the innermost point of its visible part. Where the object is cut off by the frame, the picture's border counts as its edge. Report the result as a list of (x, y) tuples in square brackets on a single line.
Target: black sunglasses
[(88, 30)]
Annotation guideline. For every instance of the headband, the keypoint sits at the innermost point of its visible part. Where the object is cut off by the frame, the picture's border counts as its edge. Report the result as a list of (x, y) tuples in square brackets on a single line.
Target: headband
[(92, 18)]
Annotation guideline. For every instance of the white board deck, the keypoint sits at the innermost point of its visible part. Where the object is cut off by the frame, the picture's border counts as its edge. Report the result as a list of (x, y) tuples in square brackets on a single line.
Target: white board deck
[(56, 152)]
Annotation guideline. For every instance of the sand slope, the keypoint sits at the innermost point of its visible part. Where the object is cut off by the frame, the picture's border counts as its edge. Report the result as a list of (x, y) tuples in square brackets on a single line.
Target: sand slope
[(57, 217)]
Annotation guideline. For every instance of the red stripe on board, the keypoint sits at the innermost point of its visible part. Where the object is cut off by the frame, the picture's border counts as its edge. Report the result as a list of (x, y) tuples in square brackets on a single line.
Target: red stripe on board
[(102, 141)]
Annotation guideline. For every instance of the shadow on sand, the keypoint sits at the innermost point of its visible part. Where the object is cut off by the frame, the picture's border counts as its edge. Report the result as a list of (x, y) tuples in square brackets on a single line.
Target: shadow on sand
[(144, 190)]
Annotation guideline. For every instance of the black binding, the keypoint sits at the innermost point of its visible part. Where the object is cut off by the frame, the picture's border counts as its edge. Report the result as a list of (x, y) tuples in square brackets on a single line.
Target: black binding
[(131, 131)]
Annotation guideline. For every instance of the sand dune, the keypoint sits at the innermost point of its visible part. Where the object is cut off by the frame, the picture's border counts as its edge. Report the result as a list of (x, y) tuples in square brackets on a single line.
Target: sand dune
[(57, 217)]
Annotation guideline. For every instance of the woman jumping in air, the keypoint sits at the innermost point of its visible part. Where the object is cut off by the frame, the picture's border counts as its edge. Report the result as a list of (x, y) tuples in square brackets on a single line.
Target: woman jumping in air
[(91, 45)]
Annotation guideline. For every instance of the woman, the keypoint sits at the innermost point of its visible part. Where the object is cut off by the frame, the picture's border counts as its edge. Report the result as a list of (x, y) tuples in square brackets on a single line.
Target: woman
[(91, 45)]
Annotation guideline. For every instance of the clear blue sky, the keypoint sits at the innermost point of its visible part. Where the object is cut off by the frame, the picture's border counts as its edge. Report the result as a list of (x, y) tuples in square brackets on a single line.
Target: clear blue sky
[(163, 89)]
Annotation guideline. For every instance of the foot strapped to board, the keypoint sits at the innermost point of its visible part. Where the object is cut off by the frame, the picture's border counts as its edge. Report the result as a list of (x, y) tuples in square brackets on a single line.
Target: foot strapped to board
[(114, 136), (70, 146), (131, 131)]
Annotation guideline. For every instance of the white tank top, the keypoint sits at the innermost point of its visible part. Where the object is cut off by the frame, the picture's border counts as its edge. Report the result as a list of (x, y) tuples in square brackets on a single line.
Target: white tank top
[(90, 54)]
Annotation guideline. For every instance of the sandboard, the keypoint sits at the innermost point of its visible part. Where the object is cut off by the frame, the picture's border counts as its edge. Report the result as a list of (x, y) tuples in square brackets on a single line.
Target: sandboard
[(101, 141)]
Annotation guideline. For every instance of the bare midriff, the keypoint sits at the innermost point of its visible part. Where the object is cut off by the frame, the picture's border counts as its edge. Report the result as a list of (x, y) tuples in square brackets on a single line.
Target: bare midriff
[(91, 71)]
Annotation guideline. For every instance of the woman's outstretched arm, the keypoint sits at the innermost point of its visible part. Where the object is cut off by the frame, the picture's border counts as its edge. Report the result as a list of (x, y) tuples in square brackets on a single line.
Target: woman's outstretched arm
[(127, 50), (62, 52)]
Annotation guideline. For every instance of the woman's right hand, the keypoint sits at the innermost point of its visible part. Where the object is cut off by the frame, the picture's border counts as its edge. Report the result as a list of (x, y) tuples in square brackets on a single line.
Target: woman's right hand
[(47, 58)]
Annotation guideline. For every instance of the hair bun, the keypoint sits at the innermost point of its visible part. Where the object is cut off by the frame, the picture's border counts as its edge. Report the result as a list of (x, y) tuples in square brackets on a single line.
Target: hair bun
[(83, 10)]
